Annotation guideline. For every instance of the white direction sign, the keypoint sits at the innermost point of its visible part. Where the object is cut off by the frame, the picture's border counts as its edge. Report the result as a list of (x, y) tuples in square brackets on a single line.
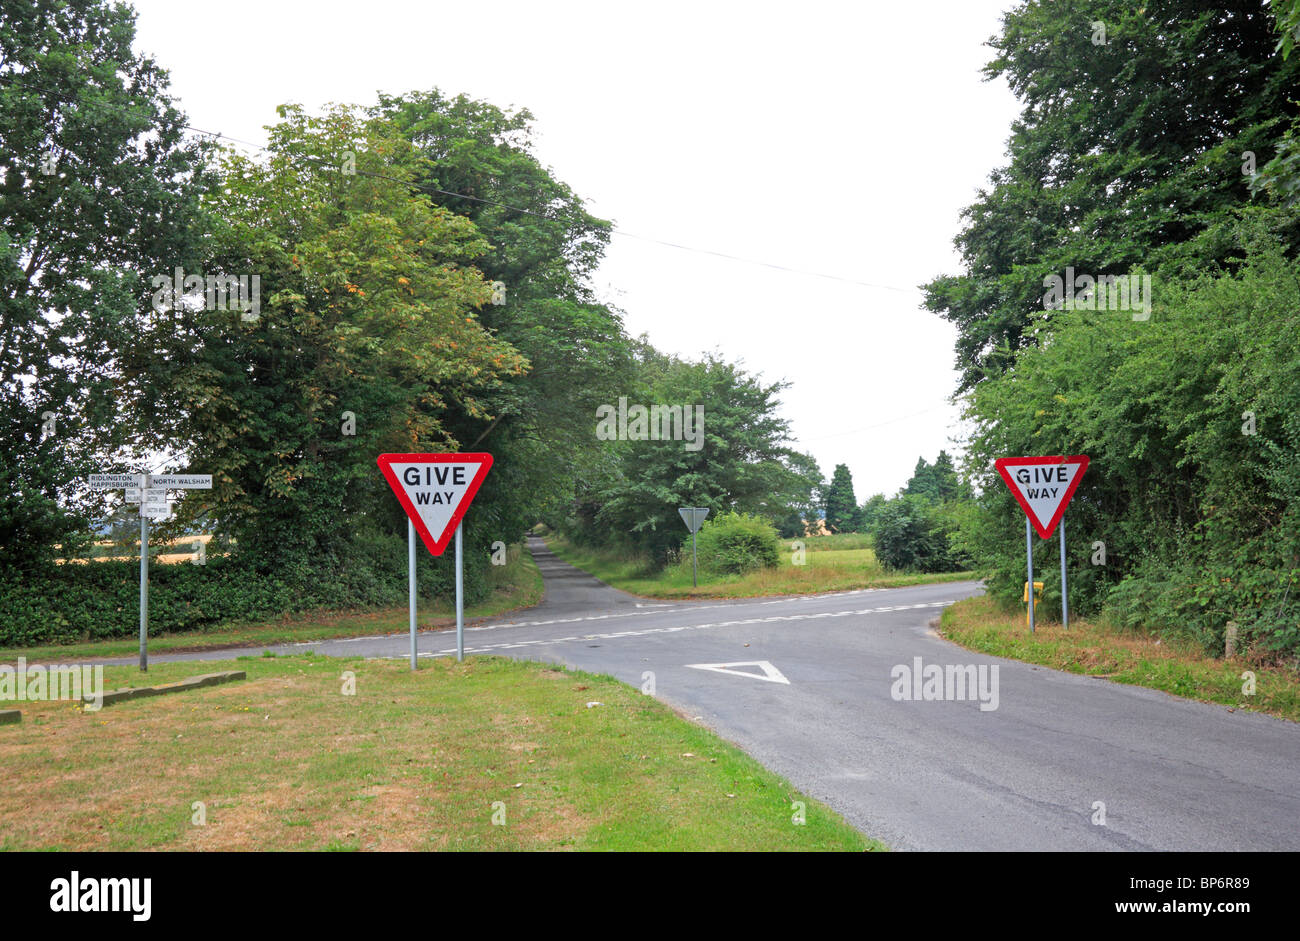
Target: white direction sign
[(156, 511), (182, 481), (770, 673), (114, 481), (1043, 486), (693, 516), (435, 490), (132, 494)]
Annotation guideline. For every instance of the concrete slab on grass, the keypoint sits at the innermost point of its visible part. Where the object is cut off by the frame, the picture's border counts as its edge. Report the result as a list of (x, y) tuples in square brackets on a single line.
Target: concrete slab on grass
[(180, 686)]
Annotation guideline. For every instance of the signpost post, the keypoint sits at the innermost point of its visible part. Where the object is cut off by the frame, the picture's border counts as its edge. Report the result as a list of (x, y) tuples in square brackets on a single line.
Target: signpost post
[(150, 491), (410, 578), (694, 517), (144, 578), (435, 490), (460, 601), (1065, 608), (1029, 565), (1043, 487)]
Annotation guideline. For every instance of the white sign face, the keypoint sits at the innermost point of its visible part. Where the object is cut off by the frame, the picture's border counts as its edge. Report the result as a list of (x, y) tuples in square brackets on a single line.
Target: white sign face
[(182, 481), (155, 511), (155, 494), (132, 494), (1043, 486), (693, 516), (114, 481), (435, 490)]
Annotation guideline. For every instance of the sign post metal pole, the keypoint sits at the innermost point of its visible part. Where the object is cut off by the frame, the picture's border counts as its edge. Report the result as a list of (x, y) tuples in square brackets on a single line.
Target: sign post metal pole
[(410, 567), (695, 575), (1065, 605), (144, 584), (460, 595), (1029, 564)]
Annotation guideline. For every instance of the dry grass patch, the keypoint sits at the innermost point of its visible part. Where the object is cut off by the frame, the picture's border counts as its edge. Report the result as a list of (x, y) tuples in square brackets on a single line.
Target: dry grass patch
[(285, 760)]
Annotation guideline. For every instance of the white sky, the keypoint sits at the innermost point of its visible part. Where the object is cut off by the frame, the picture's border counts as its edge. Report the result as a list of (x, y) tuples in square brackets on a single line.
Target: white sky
[(841, 138)]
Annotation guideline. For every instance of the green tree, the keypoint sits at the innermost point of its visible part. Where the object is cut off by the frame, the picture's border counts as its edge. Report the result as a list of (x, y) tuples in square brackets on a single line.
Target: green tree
[(1127, 153), (739, 465), (369, 302), (1186, 518), (841, 505), (912, 534), (99, 192), (544, 245), (807, 486), (937, 482), (869, 512)]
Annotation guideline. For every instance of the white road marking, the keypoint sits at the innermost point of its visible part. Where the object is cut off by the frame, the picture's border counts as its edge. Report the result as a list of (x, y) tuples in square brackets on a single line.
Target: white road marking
[(770, 673), (547, 641), (591, 617)]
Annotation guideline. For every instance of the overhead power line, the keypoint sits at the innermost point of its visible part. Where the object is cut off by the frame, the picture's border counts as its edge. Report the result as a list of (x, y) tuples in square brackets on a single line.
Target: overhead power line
[(612, 229)]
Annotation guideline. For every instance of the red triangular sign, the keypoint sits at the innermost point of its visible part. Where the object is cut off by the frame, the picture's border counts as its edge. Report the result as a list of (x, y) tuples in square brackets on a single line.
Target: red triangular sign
[(435, 490), (1043, 486)]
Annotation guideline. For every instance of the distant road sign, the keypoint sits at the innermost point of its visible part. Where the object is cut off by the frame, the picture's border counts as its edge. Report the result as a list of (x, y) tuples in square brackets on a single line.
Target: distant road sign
[(693, 516), (182, 481), (1043, 486), (114, 481), (435, 490)]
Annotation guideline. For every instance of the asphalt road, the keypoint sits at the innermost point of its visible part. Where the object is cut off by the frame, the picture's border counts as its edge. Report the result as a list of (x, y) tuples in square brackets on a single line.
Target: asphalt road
[(943, 774)]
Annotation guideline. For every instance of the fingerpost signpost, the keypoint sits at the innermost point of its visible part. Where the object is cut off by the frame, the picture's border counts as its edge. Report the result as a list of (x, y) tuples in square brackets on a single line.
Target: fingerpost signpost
[(150, 491)]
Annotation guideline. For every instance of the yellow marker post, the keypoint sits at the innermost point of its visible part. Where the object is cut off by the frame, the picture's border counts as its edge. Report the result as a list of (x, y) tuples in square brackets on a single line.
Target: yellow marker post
[(1038, 597)]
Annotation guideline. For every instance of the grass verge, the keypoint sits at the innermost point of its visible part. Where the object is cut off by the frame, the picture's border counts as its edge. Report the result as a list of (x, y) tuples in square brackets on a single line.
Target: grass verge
[(411, 761), (824, 568), (515, 585), (1094, 649)]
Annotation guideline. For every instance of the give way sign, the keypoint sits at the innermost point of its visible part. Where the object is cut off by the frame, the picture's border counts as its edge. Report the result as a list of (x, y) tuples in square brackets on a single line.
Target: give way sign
[(1043, 486), (435, 490)]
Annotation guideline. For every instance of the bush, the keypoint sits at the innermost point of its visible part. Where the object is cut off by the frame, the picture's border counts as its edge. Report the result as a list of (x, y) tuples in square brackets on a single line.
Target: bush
[(55, 604), (736, 543), (912, 534)]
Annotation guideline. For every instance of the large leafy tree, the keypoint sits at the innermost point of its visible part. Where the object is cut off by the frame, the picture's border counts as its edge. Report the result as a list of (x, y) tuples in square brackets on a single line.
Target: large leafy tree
[(544, 246), (937, 482), (369, 303), (741, 465), (1187, 516), (99, 191), (1129, 151)]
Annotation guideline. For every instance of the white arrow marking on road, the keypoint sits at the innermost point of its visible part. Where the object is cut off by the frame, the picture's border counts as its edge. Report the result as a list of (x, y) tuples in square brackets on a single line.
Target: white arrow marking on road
[(770, 673)]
